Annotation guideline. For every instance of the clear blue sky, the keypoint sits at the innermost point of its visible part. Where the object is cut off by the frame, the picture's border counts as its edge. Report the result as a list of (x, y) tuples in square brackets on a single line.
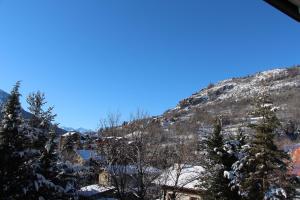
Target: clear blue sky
[(98, 56)]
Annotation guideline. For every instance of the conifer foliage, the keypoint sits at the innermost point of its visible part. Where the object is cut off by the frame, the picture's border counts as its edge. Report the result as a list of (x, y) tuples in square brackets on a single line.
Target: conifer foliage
[(262, 171), (15, 164), (30, 167), (218, 161)]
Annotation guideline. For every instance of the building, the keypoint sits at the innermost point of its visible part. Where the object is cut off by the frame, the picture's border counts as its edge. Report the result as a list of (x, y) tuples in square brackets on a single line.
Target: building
[(182, 181), (81, 156), (104, 178), (127, 175), (294, 151), (296, 161), (289, 7), (75, 137)]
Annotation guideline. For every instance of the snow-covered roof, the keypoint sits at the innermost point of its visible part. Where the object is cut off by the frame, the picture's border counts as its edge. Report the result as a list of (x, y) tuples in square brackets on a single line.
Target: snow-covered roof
[(132, 169), (69, 133), (189, 177), (91, 190)]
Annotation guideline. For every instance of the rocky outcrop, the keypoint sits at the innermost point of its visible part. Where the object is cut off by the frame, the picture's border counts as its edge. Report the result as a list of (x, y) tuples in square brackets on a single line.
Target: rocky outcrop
[(232, 99)]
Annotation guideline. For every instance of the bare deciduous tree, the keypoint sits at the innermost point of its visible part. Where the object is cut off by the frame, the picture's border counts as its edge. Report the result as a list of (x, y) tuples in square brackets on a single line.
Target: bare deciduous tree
[(131, 152), (180, 156), (114, 149), (144, 135)]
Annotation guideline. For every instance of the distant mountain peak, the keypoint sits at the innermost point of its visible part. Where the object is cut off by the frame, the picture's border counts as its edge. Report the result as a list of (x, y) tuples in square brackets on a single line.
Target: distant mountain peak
[(80, 130), (3, 96)]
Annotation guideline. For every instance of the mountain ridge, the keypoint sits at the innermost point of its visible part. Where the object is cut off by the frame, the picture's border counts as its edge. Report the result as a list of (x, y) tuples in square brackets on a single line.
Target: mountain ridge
[(80, 129), (232, 99)]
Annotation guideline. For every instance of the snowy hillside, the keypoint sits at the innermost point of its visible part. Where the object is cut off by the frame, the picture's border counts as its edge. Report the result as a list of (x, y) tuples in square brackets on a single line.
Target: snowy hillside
[(232, 99)]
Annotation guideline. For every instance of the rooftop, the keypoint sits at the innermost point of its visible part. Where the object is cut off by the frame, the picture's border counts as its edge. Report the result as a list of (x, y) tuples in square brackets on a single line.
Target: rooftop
[(69, 133), (91, 190), (189, 177)]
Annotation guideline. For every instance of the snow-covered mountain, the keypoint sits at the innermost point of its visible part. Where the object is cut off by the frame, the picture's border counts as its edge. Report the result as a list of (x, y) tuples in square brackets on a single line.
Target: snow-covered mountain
[(233, 98), (80, 130)]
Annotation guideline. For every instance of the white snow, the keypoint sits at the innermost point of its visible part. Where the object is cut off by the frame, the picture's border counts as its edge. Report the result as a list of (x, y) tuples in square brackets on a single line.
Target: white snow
[(238, 89), (228, 175), (91, 190), (189, 176), (275, 193), (69, 133), (134, 134)]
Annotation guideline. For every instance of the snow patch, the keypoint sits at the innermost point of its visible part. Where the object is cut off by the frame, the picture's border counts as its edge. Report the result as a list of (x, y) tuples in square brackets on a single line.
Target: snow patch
[(91, 190)]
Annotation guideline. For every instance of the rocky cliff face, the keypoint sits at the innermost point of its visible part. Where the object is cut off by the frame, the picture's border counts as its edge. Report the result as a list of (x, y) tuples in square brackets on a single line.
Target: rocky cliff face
[(232, 99)]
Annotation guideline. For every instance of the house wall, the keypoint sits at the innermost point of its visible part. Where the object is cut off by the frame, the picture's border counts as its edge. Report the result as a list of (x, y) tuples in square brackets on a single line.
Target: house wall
[(72, 156), (75, 137), (104, 178), (296, 161)]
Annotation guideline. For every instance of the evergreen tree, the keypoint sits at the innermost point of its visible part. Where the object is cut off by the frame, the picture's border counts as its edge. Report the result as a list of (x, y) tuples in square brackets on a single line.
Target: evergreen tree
[(56, 179), (11, 117), (241, 140), (261, 173), (28, 172), (218, 162), (236, 148), (17, 175), (40, 119), (48, 170), (9, 129)]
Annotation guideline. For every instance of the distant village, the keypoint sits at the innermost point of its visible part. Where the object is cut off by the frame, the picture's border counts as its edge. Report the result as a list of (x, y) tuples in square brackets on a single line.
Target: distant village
[(84, 154), (183, 179)]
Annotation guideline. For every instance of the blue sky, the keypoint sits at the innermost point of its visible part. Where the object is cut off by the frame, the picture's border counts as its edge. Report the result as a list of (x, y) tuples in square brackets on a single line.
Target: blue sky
[(98, 56)]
